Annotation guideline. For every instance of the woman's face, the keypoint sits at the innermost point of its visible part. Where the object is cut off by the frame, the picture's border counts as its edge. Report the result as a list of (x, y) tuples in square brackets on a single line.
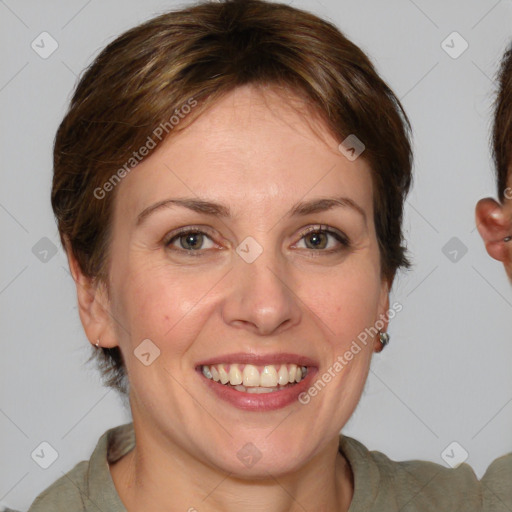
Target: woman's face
[(253, 291)]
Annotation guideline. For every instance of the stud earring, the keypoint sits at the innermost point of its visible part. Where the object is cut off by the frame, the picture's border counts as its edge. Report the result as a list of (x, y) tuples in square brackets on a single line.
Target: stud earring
[(97, 344), (384, 338)]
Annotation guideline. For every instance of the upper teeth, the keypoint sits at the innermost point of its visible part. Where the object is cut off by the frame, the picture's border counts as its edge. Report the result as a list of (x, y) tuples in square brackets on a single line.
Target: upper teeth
[(249, 375)]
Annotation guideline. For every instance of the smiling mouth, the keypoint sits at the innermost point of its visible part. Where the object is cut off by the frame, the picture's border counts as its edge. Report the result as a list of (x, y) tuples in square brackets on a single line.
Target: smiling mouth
[(250, 378)]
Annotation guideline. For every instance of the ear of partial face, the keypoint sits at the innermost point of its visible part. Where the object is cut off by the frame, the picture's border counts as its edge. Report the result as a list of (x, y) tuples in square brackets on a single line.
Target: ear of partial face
[(494, 223)]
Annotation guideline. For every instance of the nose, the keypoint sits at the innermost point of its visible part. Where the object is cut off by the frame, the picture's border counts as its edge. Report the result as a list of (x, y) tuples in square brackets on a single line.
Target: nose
[(261, 296)]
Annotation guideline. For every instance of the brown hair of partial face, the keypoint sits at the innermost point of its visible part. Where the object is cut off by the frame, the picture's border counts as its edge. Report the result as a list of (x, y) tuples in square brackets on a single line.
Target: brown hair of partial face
[(203, 52), (502, 129)]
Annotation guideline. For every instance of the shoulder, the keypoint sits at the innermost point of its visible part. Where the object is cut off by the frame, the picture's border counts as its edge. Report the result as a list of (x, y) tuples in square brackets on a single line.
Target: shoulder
[(66, 494), (497, 485), (89, 486), (384, 484)]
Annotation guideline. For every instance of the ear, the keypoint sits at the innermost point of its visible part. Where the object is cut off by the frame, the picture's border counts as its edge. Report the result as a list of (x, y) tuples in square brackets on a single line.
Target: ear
[(93, 305), (494, 225), (383, 312)]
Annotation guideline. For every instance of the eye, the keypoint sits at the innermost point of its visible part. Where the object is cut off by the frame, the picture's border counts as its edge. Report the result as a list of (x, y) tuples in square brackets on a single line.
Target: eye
[(189, 240), (192, 240), (324, 239)]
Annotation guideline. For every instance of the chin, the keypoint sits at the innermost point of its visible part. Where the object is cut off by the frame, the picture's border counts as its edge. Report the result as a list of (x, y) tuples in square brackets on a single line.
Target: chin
[(250, 454)]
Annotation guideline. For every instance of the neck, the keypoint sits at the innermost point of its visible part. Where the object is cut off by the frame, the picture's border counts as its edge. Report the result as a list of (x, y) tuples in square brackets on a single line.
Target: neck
[(172, 480)]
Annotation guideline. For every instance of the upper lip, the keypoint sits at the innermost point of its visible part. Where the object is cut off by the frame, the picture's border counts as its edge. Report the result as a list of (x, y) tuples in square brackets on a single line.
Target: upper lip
[(260, 359)]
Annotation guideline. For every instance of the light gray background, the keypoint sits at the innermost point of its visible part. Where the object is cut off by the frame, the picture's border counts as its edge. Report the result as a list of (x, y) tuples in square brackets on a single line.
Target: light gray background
[(446, 375)]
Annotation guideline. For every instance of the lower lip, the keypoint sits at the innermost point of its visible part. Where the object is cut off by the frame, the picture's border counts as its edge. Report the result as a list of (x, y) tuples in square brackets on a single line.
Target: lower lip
[(263, 401)]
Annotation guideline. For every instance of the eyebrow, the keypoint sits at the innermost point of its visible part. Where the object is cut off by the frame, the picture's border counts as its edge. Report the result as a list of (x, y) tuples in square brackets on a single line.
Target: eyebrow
[(219, 210)]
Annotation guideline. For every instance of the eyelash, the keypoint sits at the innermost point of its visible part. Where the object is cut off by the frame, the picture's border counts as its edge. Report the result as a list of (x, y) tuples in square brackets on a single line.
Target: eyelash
[(340, 237)]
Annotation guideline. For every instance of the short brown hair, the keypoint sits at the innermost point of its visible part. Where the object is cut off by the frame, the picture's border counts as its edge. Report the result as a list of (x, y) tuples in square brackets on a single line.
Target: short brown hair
[(502, 128), (203, 52)]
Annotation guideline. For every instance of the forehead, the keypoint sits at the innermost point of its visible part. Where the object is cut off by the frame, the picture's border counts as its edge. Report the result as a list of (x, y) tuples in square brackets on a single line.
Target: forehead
[(249, 148)]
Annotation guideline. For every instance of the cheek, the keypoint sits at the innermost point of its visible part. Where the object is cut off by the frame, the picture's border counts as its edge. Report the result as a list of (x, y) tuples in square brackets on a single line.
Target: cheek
[(346, 302), (167, 308)]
